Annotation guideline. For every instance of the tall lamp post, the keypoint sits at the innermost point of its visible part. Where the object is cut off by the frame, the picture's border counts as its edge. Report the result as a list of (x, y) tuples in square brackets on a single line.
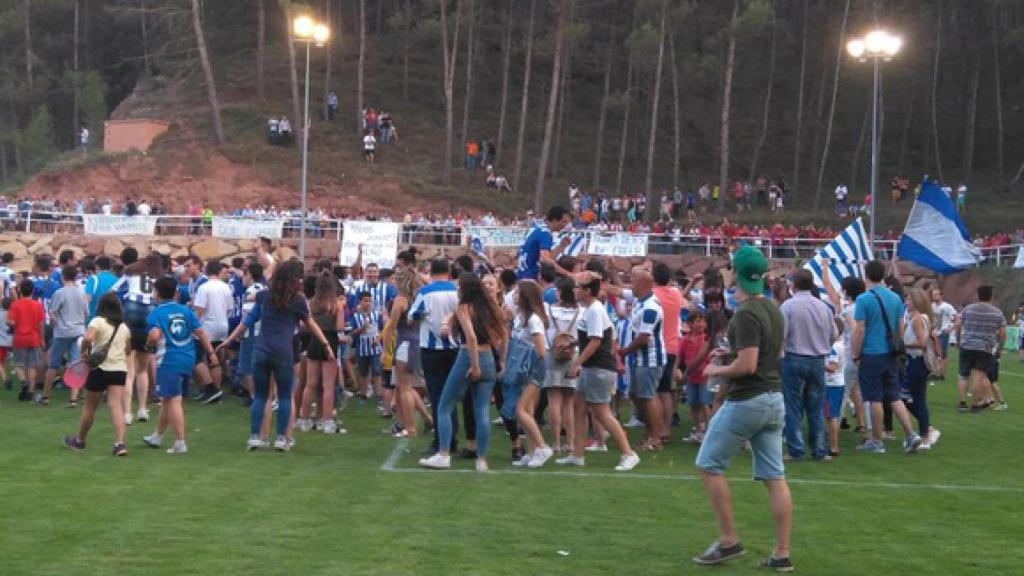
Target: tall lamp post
[(877, 46), (305, 29)]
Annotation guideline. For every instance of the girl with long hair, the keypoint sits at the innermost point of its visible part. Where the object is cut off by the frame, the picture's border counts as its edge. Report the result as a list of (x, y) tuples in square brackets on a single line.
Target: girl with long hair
[(407, 353), (529, 326), (321, 367), (279, 310), (479, 326), (107, 330), (560, 388), (918, 339)]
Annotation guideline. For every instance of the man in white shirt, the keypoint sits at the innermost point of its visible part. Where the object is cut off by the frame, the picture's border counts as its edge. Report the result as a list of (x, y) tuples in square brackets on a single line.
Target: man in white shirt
[(841, 193), (369, 146), (144, 208), (212, 304), (945, 315)]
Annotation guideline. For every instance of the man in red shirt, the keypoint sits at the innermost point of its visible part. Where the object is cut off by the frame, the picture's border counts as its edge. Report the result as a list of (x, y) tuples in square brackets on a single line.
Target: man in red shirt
[(25, 318), (672, 301)]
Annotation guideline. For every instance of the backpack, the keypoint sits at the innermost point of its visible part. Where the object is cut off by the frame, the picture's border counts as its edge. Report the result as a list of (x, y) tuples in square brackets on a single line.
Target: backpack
[(563, 345)]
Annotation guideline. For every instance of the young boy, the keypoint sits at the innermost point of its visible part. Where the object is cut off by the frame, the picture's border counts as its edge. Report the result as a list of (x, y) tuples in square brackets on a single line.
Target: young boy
[(364, 327), (26, 317), (690, 360), (624, 336), (835, 386), (172, 327)]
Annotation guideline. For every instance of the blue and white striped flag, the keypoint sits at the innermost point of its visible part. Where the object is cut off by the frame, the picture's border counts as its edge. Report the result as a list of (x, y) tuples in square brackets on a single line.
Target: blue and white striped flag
[(848, 253), (577, 242), (935, 236)]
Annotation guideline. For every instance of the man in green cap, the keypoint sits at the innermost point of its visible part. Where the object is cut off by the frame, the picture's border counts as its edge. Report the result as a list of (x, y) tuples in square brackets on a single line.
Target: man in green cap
[(753, 411)]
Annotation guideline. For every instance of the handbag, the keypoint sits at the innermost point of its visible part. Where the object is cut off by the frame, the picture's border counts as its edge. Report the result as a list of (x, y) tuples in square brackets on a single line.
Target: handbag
[(98, 354), (931, 359), (563, 345)]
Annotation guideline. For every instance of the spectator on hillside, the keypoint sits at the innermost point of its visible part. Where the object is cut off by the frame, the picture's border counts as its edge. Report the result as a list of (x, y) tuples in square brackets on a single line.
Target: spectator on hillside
[(83, 140), (273, 132), (332, 105), (472, 149), (369, 146), (285, 128), (490, 152), (841, 193), (385, 127), (961, 198)]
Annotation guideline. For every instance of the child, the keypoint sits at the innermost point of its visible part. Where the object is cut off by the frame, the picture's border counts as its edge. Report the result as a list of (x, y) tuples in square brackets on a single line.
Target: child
[(835, 387), (364, 327), (26, 317), (624, 334), (6, 338), (171, 330), (693, 358)]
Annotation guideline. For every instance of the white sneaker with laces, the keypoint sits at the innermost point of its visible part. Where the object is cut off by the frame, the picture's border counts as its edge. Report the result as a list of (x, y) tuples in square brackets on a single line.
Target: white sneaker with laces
[(539, 457), (570, 460), (143, 415), (933, 436), (153, 441), (178, 448), (481, 466), (596, 448), (304, 424), (281, 444), (627, 462), (633, 422), (437, 462), (254, 443), (328, 426)]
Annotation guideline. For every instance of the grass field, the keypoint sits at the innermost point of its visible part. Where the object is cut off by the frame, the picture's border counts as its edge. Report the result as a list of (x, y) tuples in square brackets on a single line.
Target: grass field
[(357, 504)]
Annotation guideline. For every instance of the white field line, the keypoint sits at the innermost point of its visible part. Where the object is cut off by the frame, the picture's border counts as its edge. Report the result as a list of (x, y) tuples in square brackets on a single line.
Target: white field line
[(401, 445)]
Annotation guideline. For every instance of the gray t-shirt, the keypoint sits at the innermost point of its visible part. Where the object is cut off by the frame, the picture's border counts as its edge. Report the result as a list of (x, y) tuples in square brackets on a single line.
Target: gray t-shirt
[(981, 325), (70, 307)]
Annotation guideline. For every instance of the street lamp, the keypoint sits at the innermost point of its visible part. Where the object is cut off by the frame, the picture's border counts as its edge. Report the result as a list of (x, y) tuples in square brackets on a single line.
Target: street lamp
[(876, 46), (305, 29)]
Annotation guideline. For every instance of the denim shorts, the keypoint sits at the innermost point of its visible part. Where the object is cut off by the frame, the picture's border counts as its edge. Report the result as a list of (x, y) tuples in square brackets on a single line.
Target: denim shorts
[(170, 384), (698, 395), (61, 348), (879, 378), (834, 401), (758, 420), (369, 365), (645, 381), (596, 385)]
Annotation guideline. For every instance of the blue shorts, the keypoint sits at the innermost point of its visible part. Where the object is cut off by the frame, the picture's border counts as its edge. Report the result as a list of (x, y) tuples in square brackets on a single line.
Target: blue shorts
[(758, 420), (834, 401), (170, 384), (61, 347), (244, 367), (879, 378), (944, 345), (698, 395), (644, 380), (369, 365)]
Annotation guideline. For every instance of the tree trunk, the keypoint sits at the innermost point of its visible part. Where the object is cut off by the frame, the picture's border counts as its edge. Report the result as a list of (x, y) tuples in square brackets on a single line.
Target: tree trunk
[(380, 15), (15, 140), (549, 122), (832, 108), (795, 188), (470, 52), (506, 48), (74, 76), (261, 44), (603, 114), (1013, 181), (211, 87), (676, 137), (934, 94), (144, 25), (328, 65), (563, 94), (294, 75), (625, 123), (767, 104), (906, 133), (360, 71), (3, 162), (449, 55), (730, 67), (407, 21), (28, 43), (655, 101), (999, 93), (972, 109), (524, 105), (864, 127)]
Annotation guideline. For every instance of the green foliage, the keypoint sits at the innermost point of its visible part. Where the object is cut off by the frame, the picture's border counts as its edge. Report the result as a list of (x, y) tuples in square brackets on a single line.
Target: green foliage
[(643, 44), (755, 16), (37, 138), (92, 103)]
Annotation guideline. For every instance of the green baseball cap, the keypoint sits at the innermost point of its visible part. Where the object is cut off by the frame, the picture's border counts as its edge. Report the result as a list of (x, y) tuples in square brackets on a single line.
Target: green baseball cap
[(750, 266)]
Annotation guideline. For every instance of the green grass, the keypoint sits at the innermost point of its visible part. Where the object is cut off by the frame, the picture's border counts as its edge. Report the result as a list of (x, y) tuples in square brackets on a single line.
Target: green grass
[(330, 507)]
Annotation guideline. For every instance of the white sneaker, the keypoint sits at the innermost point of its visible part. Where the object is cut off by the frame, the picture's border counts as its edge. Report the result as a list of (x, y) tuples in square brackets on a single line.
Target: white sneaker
[(281, 444), (178, 448), (627, 462), (539, 457), (570, 460), (143, 415), (1001, 407), (437, 462), (274, 406), (633, 422), (290, 442), (328, 426), (255, 443), (481, 466), (304, 424), (153, 441), (127, 418), (924, 446), (933, 436), (596, 448), (523, 462)]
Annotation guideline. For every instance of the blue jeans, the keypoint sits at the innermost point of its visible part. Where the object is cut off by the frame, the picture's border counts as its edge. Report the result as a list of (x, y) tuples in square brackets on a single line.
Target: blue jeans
[(917, 385), (263, 365), (437, 364), (470, 162), (455, 389), (803, 388)]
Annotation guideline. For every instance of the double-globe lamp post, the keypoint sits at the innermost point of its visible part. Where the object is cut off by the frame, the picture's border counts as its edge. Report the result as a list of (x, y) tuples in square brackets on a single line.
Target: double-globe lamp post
[(305, 29), (877, 46)]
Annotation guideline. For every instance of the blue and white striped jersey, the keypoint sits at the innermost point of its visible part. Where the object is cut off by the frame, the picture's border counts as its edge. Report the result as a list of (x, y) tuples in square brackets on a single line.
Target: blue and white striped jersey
[(138, 289), (647, 319), (434, 302), (381, 292), (368, 342)]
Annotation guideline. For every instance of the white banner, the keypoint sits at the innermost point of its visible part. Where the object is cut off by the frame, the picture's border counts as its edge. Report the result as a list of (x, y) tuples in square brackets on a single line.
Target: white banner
[(617, 244), (1019, 263), (225, 227), (104, 225), (378, 239), (493, 237)]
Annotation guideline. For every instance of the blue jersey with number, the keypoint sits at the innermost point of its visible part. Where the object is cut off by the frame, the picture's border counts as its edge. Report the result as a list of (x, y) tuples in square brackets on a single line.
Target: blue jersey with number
[(176, 349)]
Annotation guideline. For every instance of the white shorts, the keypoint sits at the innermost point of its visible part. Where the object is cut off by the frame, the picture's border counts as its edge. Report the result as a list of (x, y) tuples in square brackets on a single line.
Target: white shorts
[(402, 352)]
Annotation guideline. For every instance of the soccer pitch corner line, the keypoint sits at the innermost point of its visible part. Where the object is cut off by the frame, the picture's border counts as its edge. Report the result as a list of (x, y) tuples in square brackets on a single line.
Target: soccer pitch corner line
[(391, 465)]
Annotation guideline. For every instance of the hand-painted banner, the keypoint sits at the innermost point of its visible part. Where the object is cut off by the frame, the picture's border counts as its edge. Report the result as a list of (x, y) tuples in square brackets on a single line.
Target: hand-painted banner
[(378, 239), (111, 225), (226, 227), (617, 244), (493, 237)]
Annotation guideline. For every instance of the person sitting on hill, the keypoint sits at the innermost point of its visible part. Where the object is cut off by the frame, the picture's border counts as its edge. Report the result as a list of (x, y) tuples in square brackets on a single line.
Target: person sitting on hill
[(285, 127), (273, 132)]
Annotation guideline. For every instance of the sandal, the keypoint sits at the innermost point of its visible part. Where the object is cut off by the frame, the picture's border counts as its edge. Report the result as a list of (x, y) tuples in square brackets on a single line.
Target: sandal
[(649, 445)]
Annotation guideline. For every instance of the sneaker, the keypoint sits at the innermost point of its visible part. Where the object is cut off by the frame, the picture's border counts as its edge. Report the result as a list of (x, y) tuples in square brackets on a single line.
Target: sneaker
[(255, 443), (570, 460), (8, 385), (633, 422), (539, 457), (127, 418), (304, 424), (871, 447), (1002, 407), (627, 462), (142, 415), (213, 396), (962, 408), (37, 398), (153, 440), (437, 462), (178, 448), (282, 444), (74, 443), (716, 554), (522, 462), (778, 564), (595, 447), (481, 466), (274, 406), (328, 426), (924, 446), (290, 442), (199, 395), (911, 443), (693, 438), (120, 449), (933, 435), (23, 394)]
